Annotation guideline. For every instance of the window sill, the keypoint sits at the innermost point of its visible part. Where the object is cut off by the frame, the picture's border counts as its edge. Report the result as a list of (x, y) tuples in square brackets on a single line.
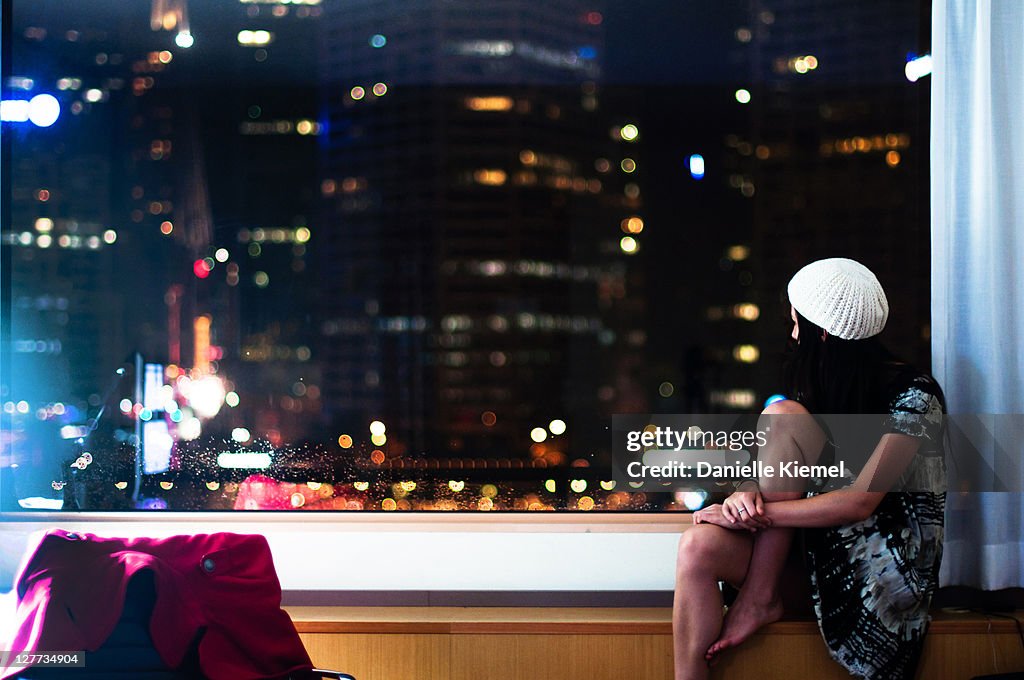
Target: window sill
[(428, 551)]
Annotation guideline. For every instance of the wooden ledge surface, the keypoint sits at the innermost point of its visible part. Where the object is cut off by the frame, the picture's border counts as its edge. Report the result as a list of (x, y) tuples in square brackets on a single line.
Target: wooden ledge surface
[(569, 620)]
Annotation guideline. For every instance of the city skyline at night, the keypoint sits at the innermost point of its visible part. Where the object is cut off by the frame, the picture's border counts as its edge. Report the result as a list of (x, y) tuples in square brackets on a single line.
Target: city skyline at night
[(486, 229)]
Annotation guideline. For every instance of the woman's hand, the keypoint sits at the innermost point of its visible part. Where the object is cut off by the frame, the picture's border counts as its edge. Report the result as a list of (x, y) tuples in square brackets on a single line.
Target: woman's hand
[(714, 514), (746, 508)]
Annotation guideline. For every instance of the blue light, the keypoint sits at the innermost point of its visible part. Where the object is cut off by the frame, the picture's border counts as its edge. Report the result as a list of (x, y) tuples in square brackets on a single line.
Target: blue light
[(587, 52), (14, 111), (774, 398), (918, 66), (378, 41), (43, 110), (694, 500), (696, 164)]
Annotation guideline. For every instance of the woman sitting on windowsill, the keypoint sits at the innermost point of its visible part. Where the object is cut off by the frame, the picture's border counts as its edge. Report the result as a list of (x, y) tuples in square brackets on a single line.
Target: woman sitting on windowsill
[(870, 559)]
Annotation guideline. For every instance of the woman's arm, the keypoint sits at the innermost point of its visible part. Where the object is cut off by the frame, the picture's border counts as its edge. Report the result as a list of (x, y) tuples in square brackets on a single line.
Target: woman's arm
[(856, 502), (831, 509)]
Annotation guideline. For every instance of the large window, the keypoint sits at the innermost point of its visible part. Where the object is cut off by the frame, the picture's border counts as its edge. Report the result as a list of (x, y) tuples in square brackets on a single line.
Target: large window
[(414, 254)]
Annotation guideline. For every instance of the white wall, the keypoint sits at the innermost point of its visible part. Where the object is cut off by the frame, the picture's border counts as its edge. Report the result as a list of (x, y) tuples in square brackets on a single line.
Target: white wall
[(414, 552)]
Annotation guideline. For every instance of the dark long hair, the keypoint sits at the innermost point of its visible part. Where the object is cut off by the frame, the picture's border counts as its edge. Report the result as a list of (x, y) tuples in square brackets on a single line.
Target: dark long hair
[(831, 375)]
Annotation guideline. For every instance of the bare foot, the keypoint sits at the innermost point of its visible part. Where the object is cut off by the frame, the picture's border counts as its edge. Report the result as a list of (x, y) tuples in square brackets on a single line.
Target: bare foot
[(743, 620)]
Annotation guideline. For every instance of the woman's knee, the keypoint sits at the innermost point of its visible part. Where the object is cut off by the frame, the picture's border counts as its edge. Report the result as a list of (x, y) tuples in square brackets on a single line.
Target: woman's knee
[(788, 419), (784, 407), (709, 551), (697, 547)]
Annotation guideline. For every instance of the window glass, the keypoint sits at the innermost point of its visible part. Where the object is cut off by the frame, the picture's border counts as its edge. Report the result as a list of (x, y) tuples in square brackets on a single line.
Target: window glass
[(414, 254)]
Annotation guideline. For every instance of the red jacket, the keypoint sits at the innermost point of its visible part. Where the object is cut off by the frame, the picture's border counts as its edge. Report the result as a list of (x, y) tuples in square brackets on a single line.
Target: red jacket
[(71, 590)]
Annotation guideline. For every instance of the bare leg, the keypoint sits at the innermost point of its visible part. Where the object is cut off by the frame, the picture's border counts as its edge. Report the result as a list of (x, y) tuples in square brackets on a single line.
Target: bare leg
[(707, 554), (795, 437)]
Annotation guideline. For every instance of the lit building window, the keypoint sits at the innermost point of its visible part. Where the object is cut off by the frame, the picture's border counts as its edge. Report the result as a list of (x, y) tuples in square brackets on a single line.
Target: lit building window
[(280, 127), (746, 354), (254, 38), (632, 225), (488, 103), (803, 64), (483, 48), (747, 311), (738, 253), (490, 177), (733, 398)]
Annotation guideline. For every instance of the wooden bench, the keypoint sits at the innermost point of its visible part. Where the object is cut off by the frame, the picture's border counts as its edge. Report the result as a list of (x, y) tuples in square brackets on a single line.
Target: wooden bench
[(549, 643)]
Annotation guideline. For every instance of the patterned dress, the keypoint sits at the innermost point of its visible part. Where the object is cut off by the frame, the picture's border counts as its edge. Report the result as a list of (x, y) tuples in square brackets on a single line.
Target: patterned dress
[(872, 581)]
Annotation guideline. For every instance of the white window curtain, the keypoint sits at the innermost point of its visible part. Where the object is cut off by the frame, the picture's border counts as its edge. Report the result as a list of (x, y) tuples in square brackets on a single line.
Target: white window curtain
[(977, 183)]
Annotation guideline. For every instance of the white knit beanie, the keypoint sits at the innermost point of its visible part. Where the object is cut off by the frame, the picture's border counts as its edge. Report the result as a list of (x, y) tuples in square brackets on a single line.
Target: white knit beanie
[(842, 296)]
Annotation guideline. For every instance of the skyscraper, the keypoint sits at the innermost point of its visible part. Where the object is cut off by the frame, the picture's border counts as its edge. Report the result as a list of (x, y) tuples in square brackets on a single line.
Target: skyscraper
[(63, 224), (835, 155), (260, 133), (478, 243)]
